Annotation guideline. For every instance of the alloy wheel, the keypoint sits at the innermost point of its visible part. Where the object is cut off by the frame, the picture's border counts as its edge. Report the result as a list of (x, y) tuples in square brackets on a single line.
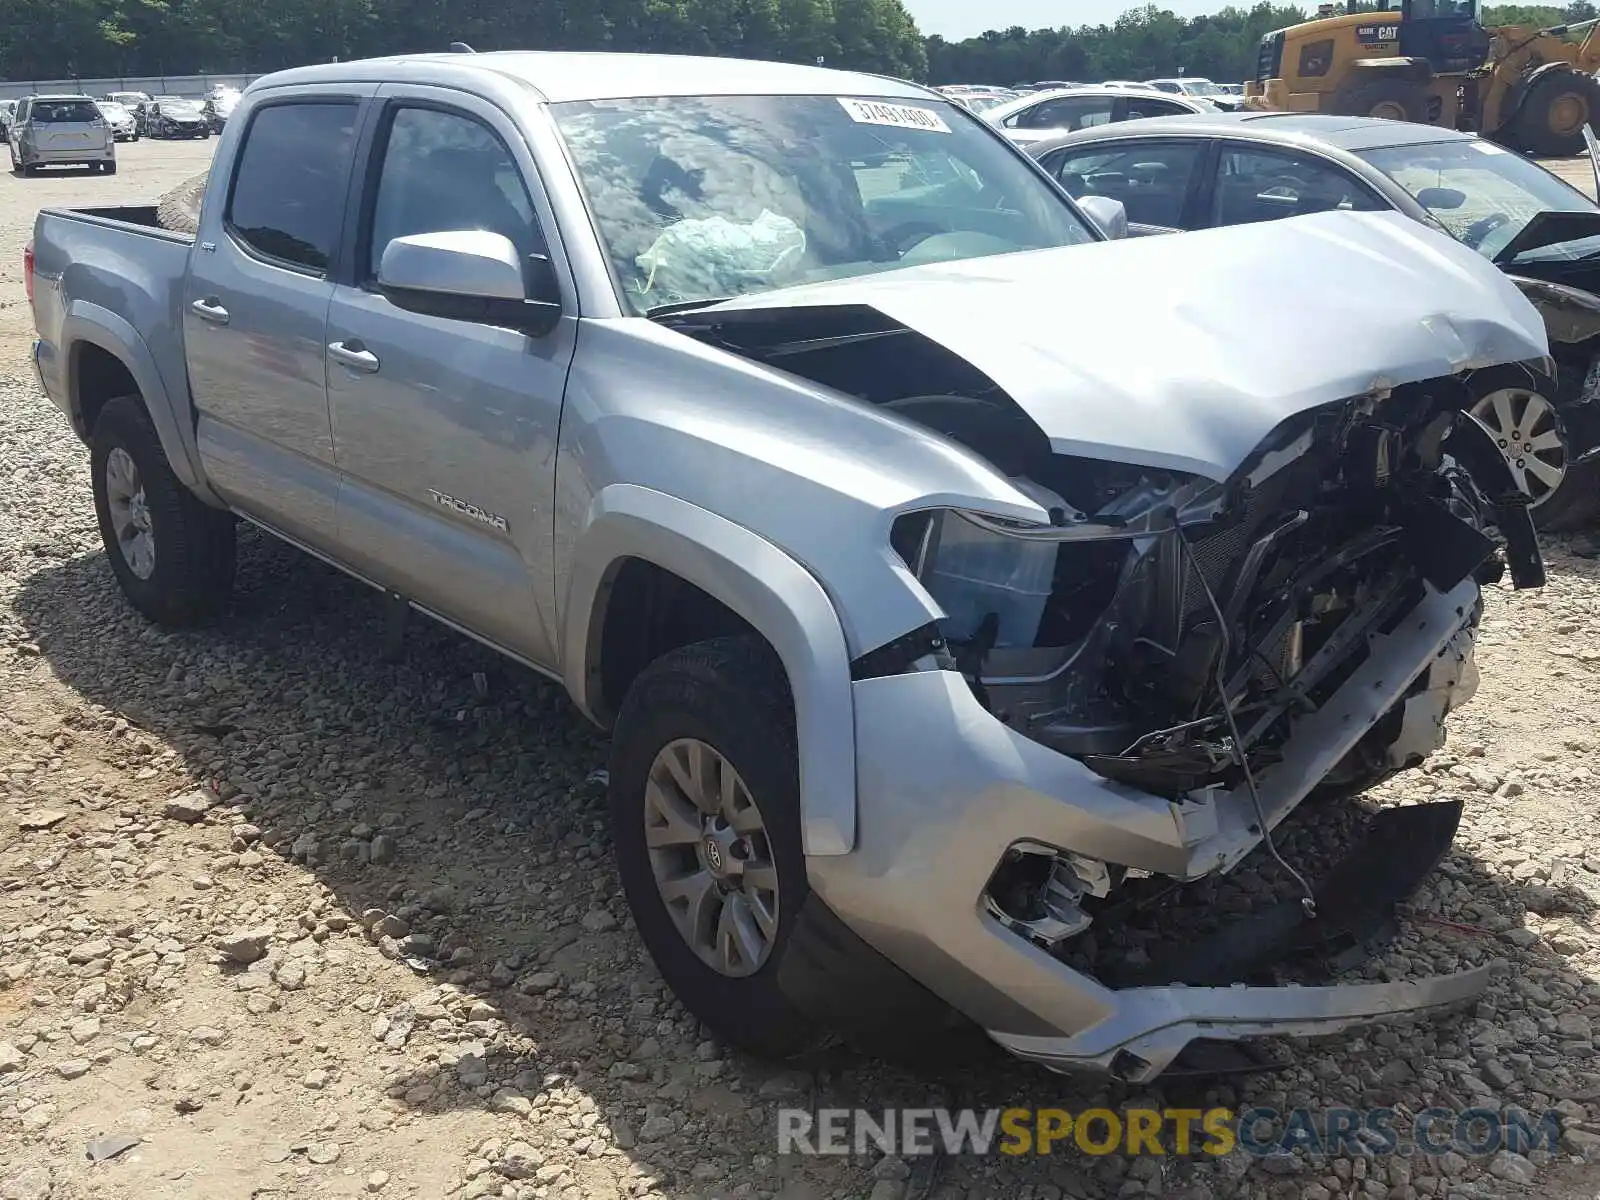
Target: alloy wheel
[(1528, 431), (711, 857), (130, 514)]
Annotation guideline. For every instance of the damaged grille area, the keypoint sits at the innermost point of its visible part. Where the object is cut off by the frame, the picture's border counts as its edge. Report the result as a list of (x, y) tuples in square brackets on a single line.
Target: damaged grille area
[(1164, 628), (1264, 590)]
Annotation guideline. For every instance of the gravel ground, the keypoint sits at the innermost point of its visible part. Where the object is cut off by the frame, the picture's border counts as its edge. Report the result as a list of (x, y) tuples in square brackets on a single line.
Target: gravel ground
[(304, 922)]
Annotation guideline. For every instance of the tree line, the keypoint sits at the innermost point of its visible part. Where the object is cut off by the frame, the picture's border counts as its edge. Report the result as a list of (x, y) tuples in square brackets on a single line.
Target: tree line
[(56, 39), (1152, 42)]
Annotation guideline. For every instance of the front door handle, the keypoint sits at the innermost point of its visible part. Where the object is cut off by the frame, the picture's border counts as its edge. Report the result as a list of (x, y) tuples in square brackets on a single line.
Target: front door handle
[(354, 355), (210, 309)]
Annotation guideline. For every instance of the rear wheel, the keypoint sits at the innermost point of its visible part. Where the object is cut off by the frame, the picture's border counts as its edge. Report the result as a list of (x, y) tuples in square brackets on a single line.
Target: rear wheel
[(1386, 99), (1554, 113), (172, 555)]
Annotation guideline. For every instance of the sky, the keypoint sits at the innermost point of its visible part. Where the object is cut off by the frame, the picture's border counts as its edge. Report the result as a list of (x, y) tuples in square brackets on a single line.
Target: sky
[(955, 19)]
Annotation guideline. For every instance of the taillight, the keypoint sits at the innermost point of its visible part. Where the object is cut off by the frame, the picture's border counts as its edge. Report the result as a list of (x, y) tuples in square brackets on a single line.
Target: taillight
[(27, 270)]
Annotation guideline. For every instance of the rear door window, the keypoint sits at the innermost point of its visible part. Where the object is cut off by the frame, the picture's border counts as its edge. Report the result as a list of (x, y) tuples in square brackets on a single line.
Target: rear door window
[(1067, 113), (1152, 179), (287, 198), (1151, 106), (1266, 185)]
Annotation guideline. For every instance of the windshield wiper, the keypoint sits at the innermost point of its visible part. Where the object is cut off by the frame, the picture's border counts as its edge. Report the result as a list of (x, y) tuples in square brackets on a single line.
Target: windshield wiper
[(680, 306)]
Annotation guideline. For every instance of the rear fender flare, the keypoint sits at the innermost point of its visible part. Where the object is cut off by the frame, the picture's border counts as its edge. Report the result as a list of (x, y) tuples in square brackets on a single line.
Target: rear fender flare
[(91, 323), (777, 596)]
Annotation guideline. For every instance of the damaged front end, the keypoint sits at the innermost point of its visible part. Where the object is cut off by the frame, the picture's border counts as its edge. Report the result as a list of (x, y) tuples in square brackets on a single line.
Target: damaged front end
[(1133, 691), (1164, 629)]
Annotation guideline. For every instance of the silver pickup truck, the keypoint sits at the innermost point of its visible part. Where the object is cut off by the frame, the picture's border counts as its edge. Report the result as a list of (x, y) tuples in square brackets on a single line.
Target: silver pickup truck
[(953, 576)]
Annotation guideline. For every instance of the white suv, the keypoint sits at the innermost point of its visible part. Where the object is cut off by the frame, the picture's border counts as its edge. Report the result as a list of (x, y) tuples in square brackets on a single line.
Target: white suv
[(61, 130)]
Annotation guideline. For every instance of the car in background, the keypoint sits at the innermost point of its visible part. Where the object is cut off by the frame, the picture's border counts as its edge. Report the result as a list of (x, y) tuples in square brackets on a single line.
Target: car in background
[(219, 104), (1055, 85), (177, 117), (1044, 115), (1128, 85), (1195, 85), (982, 102), (124, 125), (1193, 173), (65, 130), (135, 102), (8, 110)]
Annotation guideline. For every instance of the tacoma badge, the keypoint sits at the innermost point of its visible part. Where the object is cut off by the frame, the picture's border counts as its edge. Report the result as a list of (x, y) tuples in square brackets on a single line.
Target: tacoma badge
[(467, 508)]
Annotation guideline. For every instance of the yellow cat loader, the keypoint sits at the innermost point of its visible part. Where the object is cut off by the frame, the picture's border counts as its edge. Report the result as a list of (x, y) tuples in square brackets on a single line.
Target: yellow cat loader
[(1434, 62)]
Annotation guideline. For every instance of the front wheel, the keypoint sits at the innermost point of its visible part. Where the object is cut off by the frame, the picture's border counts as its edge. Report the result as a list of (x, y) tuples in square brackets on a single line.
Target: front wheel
[(1528, 427), (172, 555), (705, 817), (1385, 99), (1552, 118)]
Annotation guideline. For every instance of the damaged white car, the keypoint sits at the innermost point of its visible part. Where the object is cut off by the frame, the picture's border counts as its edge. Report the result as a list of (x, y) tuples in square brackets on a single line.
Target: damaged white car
[(942, 580)]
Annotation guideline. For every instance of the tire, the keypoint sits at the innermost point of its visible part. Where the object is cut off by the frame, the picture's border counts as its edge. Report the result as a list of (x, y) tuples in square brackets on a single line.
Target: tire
[(1575, 501), (1552, 116), (729, 695), (193, 544), (1389, 99), (110, 168), (179, 209)]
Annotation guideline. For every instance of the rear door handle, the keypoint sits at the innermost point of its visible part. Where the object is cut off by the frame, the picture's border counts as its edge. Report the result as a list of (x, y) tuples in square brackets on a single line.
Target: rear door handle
[(210, 309), (354, 355)]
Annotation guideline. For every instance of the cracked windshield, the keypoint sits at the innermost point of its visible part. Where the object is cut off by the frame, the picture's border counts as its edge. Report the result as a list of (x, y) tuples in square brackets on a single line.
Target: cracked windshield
[(698, 199)]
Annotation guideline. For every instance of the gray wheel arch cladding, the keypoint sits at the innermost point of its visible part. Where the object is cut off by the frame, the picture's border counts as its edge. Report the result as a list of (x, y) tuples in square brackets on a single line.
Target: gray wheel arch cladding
[(777, 596), (90, 324)]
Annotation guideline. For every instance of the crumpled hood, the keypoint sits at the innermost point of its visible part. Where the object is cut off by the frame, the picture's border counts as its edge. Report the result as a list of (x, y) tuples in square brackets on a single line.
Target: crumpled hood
[(1186, 352)]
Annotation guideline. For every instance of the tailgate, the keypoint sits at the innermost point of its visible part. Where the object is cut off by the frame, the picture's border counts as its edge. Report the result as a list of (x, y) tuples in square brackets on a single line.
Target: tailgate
[(70, 135)]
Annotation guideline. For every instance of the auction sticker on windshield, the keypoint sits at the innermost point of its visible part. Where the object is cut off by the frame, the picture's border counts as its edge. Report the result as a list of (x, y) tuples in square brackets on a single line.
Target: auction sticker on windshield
[(900, 116)]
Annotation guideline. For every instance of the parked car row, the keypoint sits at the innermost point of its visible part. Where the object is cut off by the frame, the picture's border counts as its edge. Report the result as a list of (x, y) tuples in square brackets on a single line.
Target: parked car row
[(1227, 97), (126, 116)]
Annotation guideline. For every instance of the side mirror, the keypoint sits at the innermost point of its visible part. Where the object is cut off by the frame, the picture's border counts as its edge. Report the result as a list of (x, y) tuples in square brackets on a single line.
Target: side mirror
[(1110, 215), (471, 275), (1441, 199)]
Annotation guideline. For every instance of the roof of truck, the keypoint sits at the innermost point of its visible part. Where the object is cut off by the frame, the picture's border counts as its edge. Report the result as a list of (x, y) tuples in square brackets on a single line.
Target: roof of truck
[(568, 75)]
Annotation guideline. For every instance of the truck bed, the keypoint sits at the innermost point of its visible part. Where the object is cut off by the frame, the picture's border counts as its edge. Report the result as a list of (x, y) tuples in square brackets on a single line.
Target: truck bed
[(145, 218), (113, 274)]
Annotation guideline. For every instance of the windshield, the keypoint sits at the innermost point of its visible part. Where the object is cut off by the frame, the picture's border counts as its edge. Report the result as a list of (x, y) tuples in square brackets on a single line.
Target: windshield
[(1483, 194), (705, 197), (179, 108), (1201, 87), (113, 110), (63, 112)]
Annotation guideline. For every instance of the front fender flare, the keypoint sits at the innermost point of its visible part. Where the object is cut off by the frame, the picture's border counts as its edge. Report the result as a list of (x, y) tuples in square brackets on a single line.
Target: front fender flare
[(98, 326), (767, 588)]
